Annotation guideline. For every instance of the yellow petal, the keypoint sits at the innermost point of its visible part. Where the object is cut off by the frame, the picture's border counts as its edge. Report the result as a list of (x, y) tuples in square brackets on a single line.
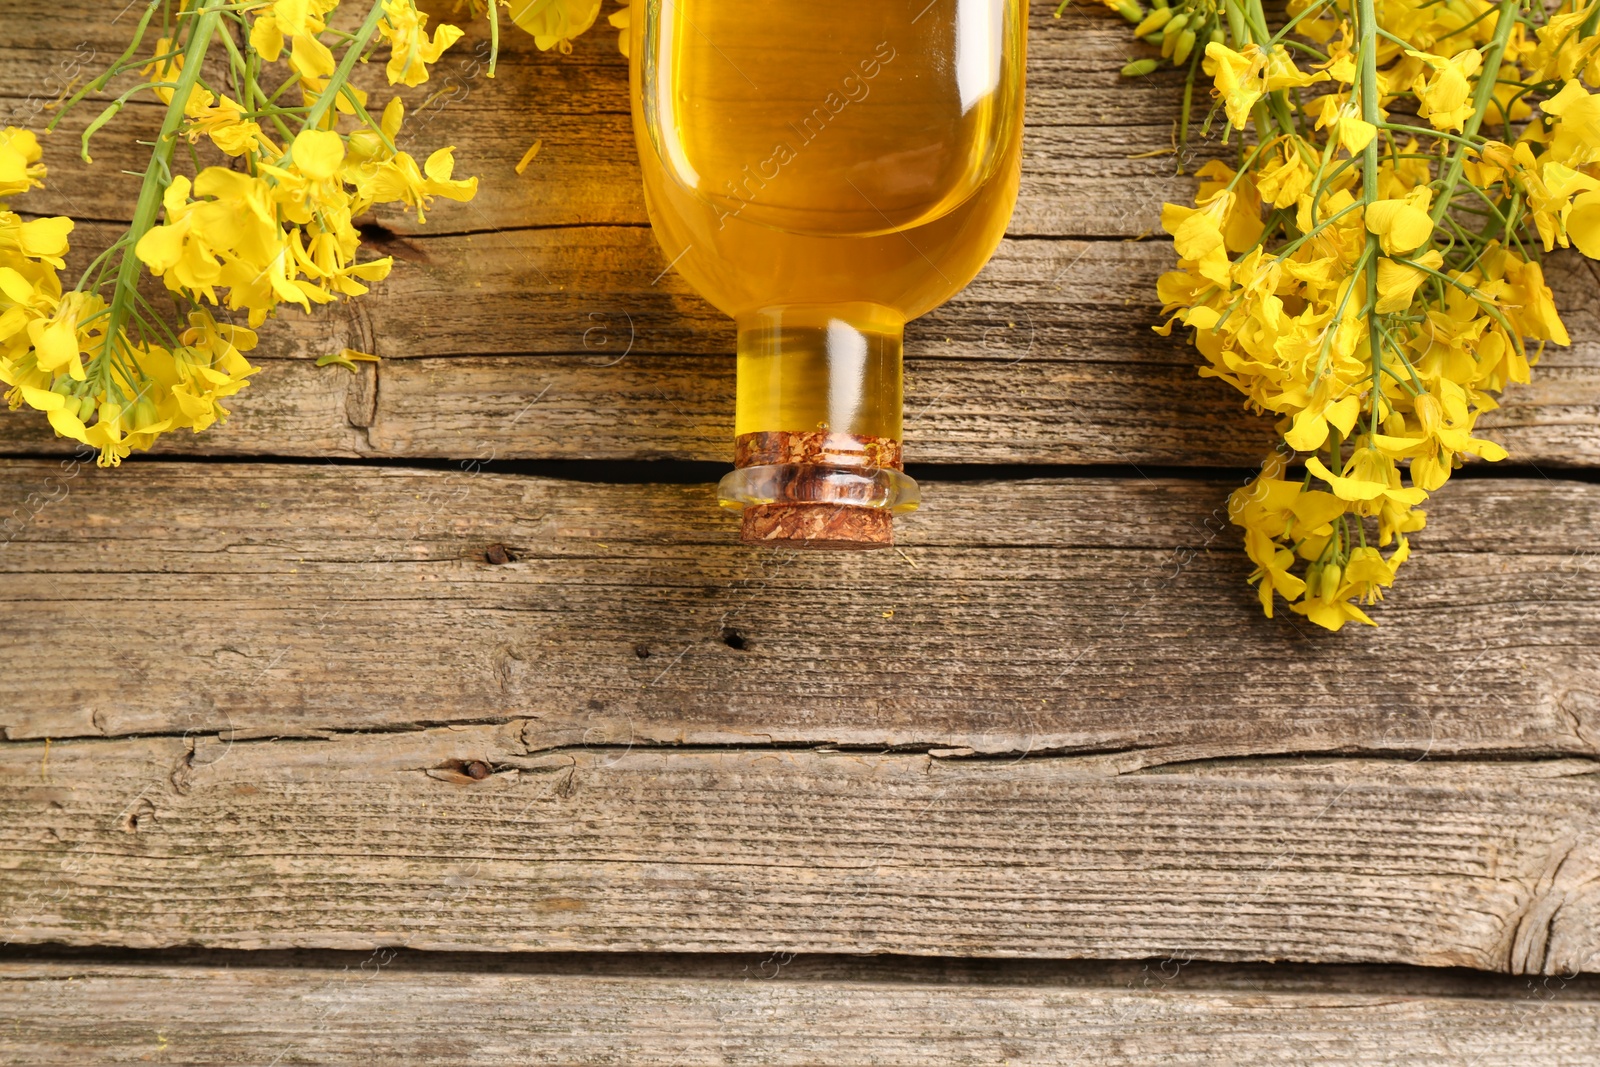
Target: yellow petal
[(45, 238), (553, 21), (1402, 225), (527, 157), (42, 399), (1310, 430), (1368, 565), (67, 424), (1397, 284), (160, 248), (394, 112), (15, 286), (1345, 488), (1343, 413), (266, 38), (1315, 510), (318, 153), (1355, 134), (56, 345), (310, 58), (441, 164), (292, 15), (1583, 224)]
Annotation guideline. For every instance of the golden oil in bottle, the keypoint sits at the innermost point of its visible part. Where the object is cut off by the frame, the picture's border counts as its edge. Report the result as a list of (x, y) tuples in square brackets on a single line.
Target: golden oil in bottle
[(823, 173)]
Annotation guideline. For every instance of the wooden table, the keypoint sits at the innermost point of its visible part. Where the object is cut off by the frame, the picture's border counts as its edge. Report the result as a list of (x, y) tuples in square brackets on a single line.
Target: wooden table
[(433, 713)]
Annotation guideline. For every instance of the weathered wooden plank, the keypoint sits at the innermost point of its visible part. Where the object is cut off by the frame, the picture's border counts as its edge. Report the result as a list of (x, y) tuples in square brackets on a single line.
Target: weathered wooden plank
[(1047, 358), (1047, 615), (391, 1007), (460, 837), (1093, 164)]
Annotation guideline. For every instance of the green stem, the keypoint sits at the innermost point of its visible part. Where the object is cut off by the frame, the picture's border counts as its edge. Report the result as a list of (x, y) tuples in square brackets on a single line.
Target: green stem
[(1188, 107), (1420, 131), (1236, 24), (158, 175), (1394, 345), (90, 269), (111, 111), (1256, 18), (1303, 48), (1367, 57), (1487, 78)]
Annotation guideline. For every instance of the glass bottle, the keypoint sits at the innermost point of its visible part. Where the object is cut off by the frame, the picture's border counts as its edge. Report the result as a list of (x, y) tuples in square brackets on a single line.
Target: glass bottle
[(824, 171)]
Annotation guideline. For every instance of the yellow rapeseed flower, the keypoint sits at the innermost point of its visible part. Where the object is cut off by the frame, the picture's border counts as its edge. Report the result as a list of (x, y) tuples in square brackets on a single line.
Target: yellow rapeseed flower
[(1402, 225), (1342, 116), (20, 169), (1576, 138), (1237, 79), (1445, 95), (411, 49), (554, 23), (1399, 281)]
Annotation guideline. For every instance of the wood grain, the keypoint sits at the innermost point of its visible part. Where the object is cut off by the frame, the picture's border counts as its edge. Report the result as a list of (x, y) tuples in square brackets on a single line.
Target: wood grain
[(1078, 614), (461, 837), (391, 1008)]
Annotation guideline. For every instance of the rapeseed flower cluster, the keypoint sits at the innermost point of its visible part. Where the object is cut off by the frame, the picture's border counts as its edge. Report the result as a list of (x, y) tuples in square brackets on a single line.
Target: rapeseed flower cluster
[(1368, 269), (272, 223)]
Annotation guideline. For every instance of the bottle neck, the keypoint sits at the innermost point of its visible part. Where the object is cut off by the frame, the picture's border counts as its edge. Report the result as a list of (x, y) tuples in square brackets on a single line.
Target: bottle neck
[(829, 370), (818, 427)]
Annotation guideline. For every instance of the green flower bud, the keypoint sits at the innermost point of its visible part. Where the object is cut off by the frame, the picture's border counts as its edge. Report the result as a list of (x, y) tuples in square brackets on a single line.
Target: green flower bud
[(1170, 35), (1328, 581), (1140, 67), (1156, 19), (1430, 413), (1185, 45), (364, 144), (1130, 10), (144, 413), (86, 408)]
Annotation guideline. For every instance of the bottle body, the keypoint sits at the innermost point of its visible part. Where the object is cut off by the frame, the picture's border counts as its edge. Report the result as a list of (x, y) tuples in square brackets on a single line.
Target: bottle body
[(823, 177)]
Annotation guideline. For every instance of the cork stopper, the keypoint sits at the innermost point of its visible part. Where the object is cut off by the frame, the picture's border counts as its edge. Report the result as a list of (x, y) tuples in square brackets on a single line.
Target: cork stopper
[(828, 490), (829, 527)]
